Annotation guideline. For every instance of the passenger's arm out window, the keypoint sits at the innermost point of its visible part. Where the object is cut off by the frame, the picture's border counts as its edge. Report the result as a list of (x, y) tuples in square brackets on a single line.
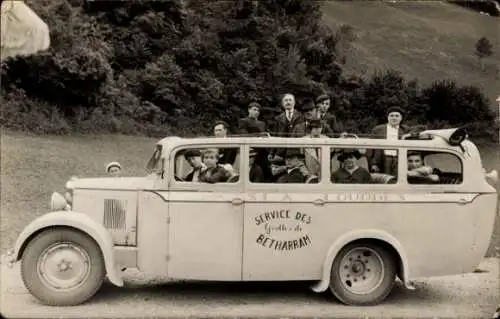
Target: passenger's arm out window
[(426, 167)]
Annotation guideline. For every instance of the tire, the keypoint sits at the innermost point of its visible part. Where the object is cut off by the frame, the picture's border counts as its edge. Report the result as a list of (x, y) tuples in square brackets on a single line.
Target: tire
[(362, 274), (62, 267)]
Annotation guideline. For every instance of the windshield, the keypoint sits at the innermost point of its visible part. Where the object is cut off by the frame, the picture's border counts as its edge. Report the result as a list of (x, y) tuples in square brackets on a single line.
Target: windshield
[(155, 163)]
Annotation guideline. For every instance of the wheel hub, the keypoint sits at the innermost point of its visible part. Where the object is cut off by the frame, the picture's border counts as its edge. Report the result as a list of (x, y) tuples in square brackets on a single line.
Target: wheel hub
[(362, 270), (64, 266)]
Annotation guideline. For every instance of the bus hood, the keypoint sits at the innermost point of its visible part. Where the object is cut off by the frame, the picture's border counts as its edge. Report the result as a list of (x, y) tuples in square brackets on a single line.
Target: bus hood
[(122, 183)]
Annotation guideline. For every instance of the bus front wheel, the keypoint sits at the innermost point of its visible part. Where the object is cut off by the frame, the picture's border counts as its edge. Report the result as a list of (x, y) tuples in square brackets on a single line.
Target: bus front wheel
[(62, 267), (362, 274)]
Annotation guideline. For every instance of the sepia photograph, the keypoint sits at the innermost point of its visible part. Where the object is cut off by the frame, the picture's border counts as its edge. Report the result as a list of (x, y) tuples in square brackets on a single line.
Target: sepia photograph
[(250, 159)]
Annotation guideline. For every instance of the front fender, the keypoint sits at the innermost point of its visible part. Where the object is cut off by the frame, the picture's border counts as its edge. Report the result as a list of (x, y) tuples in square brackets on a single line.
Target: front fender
[(81, 222), (351, 236)]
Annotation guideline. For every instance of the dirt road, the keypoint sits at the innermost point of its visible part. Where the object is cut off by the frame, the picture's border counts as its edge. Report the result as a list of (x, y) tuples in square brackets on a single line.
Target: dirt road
[(473, 295)]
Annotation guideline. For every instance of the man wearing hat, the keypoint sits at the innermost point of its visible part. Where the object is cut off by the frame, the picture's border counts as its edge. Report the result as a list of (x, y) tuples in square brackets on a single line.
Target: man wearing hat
[(350, 172), (193, 157), (114, 169), (331, 125), (294, 161), (251, 124), (278, 169), (311, 112), (385, 161)]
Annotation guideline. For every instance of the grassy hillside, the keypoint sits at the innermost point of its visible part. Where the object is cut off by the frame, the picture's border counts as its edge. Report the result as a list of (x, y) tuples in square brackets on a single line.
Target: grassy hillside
[(427, 40), (32, 167)]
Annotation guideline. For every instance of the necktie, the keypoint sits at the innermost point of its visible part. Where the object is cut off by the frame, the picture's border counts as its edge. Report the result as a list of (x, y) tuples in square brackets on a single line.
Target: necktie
[(289, 115)]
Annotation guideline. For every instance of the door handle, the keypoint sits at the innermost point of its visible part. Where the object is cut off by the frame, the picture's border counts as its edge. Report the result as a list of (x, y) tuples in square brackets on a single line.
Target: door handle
[(319, 201), (237, 201), (463, 201)]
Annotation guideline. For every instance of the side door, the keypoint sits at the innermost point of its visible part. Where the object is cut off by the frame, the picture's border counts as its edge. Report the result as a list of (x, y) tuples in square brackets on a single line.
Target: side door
[(279, 240), (205, 224)]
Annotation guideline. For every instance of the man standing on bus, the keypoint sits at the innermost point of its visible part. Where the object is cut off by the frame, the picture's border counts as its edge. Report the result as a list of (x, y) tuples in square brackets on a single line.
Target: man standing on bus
[(251, 124), (331, 125), (290, 123), (385, 161)]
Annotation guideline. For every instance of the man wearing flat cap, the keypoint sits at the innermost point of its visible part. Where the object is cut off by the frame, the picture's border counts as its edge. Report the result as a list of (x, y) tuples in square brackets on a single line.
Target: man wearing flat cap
[(278, 169), (331, 126), (294, 161), (350, 172), (385, 161), (193, 157), (251, 124)]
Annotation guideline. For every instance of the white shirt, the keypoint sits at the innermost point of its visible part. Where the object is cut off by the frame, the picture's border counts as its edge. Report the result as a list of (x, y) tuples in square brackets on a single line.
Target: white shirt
[(392, 135), (289, 114), (196, 175)]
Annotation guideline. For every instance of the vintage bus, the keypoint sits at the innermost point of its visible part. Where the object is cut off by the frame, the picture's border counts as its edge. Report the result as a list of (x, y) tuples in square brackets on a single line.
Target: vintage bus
[(351, 237)]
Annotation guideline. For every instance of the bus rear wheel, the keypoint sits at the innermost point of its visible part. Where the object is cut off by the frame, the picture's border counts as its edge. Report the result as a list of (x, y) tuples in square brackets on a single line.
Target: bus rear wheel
[(62, 267), (362, 274)]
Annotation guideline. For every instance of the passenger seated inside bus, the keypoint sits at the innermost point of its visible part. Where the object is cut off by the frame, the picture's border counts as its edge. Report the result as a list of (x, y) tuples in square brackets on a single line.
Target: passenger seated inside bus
[(213, 173), (255, 172), (349, 171), (193, 157), (418, 173), (296, 169)]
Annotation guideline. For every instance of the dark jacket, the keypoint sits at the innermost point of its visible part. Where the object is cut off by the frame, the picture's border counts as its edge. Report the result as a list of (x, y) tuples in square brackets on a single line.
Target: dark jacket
[(249, 126), (377, 157), (292, 176), (284, 128), (227, 155), (189, 177), (217, 174), (326, 130), (256, 174), (294, 128), (334, 128), (359, 176)]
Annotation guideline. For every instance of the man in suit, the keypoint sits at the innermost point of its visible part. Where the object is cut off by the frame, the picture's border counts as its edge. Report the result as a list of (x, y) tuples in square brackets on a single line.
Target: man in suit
[(332, 127), (226, 156), (385, 161), (193, 157), (312, 156), (294, 161), (290, 123), (251, 124)]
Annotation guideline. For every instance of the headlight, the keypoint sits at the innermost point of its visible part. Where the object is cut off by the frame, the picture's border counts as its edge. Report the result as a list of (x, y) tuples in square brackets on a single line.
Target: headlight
[(492, 178), (58, 202)]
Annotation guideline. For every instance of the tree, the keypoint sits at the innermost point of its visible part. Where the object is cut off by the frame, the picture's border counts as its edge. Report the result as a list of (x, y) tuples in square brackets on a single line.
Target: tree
[(484, 49)]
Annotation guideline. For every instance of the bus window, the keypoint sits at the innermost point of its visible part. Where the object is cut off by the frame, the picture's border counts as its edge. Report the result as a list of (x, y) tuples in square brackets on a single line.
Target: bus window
[(433, 168)]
